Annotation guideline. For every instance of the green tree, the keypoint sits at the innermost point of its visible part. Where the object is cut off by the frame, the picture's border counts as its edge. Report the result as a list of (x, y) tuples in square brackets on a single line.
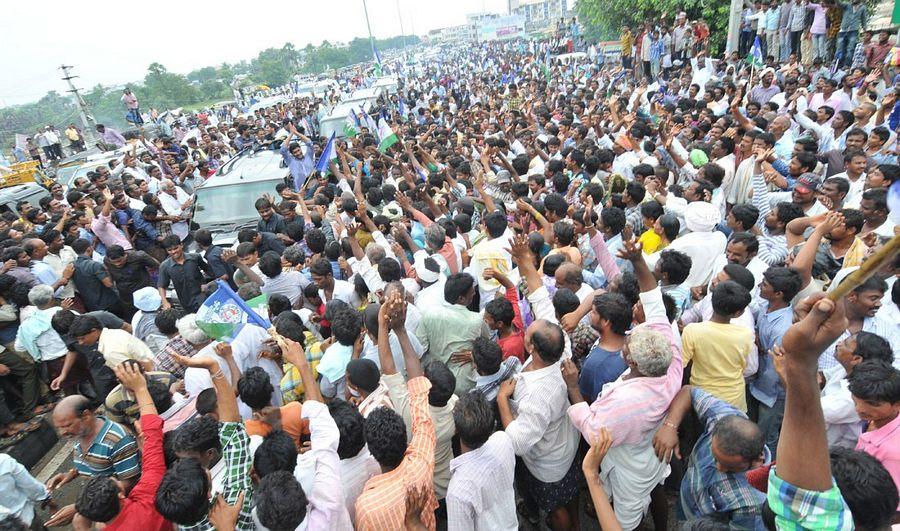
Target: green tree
[(166, 90), (207, 73), (603, 19)]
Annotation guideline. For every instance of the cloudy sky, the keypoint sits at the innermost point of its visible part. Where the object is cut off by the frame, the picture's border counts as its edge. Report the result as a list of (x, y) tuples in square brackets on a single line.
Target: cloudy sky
[(113, 42)]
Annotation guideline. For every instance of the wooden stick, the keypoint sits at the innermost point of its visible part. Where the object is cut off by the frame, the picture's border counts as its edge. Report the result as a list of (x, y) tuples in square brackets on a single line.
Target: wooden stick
[(869, 267)]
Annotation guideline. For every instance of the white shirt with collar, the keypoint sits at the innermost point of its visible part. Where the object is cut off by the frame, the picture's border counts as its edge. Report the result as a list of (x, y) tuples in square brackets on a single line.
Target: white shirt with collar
[(541, 432), (481, 493), (842, 423)]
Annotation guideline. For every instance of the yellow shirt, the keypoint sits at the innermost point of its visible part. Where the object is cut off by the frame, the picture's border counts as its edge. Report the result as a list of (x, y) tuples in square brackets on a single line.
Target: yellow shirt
[(855, 254), (117, 346), (719, 352), (627, 41), (650, 242)]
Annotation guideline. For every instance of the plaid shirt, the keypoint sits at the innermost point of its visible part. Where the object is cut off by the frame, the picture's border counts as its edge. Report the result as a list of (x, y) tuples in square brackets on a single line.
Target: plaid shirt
[(176, 345), (164, 228), (705, 491), (238, 459), (796, 509), (583, 338), (382, 504), (291, 384)]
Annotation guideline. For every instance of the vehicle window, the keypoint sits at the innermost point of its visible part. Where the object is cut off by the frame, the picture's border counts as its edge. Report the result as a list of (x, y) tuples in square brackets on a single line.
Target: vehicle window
[(230, 204)]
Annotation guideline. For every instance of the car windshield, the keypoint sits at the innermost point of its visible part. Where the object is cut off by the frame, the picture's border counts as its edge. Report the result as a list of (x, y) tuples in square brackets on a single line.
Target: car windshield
[(83, 171), (66, 175), (220, 205)]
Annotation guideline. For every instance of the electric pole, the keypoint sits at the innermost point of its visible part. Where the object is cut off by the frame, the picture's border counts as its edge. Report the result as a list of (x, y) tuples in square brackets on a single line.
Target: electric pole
[(369, 26), (403, 33), (87, 120)]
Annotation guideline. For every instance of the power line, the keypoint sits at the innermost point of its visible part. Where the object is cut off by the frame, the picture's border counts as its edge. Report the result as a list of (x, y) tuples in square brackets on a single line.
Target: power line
[(86, 119)]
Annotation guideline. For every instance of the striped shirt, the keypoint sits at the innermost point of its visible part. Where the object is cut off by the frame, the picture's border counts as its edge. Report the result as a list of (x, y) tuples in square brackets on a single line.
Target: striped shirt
[(382, 504), (113, 452), (481, 494)]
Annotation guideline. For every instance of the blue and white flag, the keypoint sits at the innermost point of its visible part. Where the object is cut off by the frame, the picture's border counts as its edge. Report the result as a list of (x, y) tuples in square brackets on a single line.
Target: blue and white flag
[(368, 121), (377, 58), (401, 108), (223, 314), (755, 57), (327, 156)]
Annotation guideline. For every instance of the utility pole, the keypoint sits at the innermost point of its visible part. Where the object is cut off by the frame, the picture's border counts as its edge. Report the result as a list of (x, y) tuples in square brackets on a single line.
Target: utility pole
[(87, 120), (734, 25), (369, 26), (402, 32)]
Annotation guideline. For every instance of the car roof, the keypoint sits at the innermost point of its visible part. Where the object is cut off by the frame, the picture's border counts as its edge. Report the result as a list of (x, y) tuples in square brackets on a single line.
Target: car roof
[(13, 193), (262, 165)]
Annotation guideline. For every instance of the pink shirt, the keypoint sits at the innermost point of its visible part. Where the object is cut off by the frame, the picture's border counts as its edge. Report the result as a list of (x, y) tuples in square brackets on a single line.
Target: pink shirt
[(818, 24), (103, 227), (884, 445), (632, 409)]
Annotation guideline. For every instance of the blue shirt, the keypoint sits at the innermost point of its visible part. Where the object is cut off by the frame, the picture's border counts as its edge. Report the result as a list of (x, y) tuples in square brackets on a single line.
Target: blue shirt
[(770, 327), (300, 168), (43, 272), (704, 490), (599, 368)]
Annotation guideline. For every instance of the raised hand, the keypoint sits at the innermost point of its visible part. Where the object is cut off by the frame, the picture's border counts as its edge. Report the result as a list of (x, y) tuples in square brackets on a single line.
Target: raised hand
[(518, 248), (130, 375), (601, 442), (631, 250)]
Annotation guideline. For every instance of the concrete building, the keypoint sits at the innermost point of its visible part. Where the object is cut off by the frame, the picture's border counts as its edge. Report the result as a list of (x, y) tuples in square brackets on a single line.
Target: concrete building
[(481, 27), (538, 14)]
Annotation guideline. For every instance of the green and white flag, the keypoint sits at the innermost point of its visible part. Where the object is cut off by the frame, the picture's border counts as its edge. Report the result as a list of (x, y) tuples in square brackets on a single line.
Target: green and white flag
[(386, 135), (755, 57)]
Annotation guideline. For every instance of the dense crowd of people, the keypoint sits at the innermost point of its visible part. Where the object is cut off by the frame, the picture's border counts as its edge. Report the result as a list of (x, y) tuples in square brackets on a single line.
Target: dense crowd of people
[(571, 289)]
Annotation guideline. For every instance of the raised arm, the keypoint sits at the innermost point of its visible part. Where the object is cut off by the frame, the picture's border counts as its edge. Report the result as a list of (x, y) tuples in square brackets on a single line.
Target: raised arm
[(226, 399), (803, 459), (293, 353), (525, 261), (806, 258)]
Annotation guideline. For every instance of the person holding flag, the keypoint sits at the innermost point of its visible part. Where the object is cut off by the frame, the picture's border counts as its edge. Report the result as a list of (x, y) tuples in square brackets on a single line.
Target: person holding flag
[(767, 89), (299, 162), (386, 136), (223, 314), (327, 156)]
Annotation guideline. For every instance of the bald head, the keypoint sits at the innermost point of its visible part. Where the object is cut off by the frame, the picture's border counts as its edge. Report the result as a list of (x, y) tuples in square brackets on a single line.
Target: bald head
[(73, 417), (72, 405), (569, 275), (545, 339), (738, 443)]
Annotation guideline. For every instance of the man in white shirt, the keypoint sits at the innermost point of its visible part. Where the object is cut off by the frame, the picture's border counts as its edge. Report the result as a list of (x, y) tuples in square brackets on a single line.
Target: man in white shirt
[(330, 287), (481, 494), (357, 464), (176, 202), (532, 408), (703, 244), (842, 423)]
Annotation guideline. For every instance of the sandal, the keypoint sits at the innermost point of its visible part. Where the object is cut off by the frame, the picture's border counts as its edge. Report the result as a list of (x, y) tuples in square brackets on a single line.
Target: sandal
[(6, 442), (46, 408)]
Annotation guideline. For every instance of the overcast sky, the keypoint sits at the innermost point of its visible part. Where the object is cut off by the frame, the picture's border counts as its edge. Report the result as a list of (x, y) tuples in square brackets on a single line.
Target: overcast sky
[(112, 42)]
